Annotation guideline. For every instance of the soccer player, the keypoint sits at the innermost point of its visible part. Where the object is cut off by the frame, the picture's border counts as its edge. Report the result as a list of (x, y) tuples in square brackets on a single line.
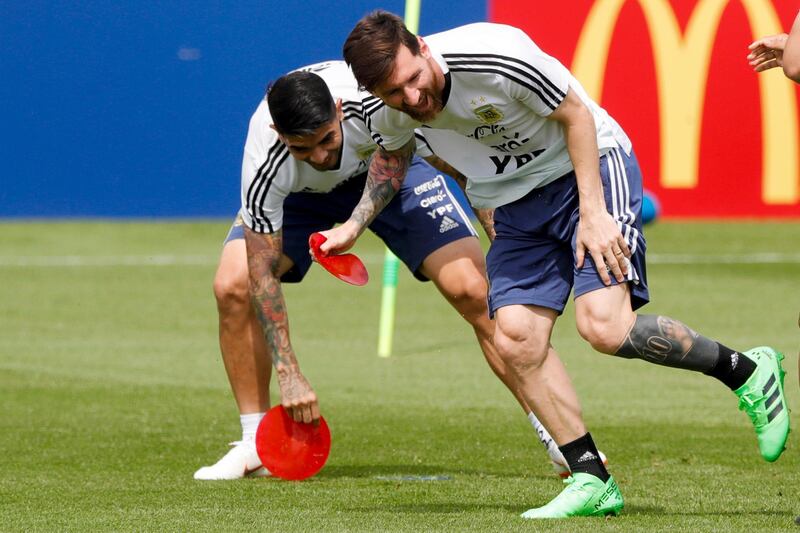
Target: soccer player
[(304, 169), (566, 188), (780, 50)]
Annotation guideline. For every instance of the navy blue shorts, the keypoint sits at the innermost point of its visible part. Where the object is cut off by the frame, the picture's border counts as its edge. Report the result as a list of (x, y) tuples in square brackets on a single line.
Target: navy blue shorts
[(422, 217), (532, 259)]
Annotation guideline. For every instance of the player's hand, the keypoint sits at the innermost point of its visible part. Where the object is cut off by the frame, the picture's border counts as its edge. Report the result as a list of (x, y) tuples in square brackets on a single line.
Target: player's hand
[(339, 239), (297, 396), (599, 236), (767, 52), (486, 218)]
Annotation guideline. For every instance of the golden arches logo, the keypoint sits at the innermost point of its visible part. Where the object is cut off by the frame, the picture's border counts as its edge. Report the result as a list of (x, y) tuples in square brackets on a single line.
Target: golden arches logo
[(681, 63)]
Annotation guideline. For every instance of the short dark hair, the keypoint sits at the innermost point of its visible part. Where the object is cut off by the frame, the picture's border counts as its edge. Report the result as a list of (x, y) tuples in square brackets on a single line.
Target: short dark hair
[(299, 103), (372, 46)]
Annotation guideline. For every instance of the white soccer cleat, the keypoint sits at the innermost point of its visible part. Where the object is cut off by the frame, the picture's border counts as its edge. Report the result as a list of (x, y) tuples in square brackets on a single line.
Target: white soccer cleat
[(561, 468), (240, 461)]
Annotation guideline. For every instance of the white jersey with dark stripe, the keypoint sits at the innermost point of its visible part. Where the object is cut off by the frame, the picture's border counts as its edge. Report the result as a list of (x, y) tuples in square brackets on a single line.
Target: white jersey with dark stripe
[(494, 127), (270, 173)]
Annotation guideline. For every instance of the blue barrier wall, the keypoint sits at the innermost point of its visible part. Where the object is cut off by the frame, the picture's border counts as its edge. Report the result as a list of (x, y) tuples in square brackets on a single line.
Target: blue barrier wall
[(140, 109)]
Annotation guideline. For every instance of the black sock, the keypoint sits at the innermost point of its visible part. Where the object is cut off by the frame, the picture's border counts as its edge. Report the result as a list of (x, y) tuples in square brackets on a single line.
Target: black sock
[(582, 456), (732, 368)]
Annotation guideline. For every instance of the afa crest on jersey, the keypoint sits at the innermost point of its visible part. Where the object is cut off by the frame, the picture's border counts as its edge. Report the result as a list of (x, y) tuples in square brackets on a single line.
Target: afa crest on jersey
[(488, 114)]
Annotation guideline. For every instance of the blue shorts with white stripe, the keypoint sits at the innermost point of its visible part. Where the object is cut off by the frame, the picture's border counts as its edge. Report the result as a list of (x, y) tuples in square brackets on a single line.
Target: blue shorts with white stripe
[(532, 259), (424, 216)]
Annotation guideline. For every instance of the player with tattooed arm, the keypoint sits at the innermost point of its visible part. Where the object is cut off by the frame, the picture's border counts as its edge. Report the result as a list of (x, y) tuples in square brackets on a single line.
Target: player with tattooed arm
[(304, 170), (566, 188)]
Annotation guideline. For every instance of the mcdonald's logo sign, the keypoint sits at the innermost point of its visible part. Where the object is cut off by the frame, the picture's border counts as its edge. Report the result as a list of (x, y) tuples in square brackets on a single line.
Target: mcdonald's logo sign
[(714, 138)]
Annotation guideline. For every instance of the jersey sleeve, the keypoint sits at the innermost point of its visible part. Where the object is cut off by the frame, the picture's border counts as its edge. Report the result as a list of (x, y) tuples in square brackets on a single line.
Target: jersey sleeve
[(389, 128), (536, 79), (265, 165), (423, 148)]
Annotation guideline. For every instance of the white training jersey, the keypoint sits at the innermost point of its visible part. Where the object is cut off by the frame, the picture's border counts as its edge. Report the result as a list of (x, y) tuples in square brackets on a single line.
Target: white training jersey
[(270, 173), (494, 127)]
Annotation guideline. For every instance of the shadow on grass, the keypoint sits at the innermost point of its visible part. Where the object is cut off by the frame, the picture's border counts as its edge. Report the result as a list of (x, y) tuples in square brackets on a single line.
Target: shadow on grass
[(652, 510), (397, 471), (441, 508), (772, 514), (629, 511)]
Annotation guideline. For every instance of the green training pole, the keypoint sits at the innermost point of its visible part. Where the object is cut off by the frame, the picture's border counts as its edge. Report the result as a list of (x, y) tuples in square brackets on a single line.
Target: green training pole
[(390, 261), (388, 298), (412, 15)]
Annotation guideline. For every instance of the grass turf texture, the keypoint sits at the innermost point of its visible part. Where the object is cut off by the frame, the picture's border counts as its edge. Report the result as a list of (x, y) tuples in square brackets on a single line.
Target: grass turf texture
[(113, 393)]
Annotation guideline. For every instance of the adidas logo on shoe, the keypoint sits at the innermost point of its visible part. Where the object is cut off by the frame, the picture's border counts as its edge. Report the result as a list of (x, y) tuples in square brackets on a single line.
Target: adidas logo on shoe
[(447, 224)]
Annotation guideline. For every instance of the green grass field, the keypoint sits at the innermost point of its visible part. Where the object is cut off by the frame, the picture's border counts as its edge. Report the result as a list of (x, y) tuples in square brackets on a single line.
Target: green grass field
[(113, 393)]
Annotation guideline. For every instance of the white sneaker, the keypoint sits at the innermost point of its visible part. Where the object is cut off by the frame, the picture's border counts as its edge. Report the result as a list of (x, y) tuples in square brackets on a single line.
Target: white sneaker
[(561, 468), (242, 460)]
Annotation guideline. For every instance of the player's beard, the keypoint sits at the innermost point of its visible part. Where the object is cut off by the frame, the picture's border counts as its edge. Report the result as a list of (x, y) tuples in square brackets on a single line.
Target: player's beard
[(434, 107)]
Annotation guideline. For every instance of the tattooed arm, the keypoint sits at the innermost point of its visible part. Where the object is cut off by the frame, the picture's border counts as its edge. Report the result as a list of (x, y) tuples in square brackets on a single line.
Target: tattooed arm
[(485, 216), (263, 262), (386, 173)]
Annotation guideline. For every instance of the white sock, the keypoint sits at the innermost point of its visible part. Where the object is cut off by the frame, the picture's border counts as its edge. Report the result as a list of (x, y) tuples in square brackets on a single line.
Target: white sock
[(546, 440), (250, 424)]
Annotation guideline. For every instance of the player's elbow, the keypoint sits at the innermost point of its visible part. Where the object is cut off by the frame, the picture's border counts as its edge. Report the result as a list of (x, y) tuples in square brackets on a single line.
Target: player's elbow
[(792, 70), (791, 55)]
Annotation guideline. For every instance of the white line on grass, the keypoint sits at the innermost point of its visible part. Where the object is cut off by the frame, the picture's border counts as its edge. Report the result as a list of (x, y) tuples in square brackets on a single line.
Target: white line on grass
[(106, 260), (374, 259), (738, 259)]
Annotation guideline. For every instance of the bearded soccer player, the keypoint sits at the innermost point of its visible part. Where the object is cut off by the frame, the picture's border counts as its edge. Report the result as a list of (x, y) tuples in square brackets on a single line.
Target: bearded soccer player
[(566, 188), (304, 169)]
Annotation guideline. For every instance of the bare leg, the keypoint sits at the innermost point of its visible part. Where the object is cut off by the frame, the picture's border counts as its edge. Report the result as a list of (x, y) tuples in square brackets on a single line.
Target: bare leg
[(459, 272), (604, 318), (246, 360), (244, 351), (522, 340)]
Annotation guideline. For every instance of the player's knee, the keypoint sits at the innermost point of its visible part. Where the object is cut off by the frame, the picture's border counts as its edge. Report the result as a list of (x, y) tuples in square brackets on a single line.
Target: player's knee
[(520, 348), (231, 292), (602, 332), (470, 299)]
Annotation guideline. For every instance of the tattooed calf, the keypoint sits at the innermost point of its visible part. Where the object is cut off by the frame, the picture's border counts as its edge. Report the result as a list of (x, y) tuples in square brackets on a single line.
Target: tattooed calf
[(665, 341)]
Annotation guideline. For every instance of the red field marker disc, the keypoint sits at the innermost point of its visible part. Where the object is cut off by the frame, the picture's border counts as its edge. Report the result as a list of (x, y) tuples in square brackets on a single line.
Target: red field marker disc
[(346, 267), (292, 450)]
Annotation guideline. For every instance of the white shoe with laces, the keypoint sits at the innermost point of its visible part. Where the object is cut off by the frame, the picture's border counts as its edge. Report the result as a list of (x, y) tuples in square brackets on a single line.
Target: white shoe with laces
[(561, 468), (240, 461)]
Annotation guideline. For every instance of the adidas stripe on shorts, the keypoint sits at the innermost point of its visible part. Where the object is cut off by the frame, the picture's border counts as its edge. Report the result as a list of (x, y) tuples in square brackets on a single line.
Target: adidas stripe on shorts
[(532, 259)]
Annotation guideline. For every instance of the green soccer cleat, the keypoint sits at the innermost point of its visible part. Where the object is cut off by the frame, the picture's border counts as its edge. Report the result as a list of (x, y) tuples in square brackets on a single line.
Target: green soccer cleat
[(585, 495), (761, 397)]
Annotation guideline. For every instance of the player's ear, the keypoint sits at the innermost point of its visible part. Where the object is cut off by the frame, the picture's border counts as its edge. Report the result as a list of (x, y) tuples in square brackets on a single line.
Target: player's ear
[(280, 137), (424, 51), (339, 112)]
